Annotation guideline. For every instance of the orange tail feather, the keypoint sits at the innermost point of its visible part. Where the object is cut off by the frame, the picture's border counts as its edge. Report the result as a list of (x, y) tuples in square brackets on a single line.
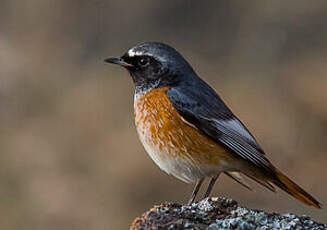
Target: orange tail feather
[(294, 190)]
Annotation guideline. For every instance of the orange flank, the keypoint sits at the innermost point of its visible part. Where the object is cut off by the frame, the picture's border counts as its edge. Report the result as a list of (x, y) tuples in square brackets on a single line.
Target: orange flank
[(155, 114), (175, 145)]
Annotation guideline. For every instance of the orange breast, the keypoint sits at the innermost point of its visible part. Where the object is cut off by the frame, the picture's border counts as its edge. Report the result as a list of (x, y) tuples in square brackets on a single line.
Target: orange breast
[(168, 135)]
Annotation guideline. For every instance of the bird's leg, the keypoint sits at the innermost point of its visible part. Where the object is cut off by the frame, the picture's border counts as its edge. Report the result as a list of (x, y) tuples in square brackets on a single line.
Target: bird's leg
[(195, 191), (210, 186)]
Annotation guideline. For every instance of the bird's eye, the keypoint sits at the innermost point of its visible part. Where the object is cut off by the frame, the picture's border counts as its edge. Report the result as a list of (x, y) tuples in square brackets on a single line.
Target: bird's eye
[(144, 61)]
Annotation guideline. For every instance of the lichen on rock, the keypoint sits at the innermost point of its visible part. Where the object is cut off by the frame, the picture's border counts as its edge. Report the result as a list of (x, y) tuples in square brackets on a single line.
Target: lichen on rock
[(219, 213)]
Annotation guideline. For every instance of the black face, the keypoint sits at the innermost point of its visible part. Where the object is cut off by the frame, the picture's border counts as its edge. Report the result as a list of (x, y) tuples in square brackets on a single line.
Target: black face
[(153, 65), (144, 67)]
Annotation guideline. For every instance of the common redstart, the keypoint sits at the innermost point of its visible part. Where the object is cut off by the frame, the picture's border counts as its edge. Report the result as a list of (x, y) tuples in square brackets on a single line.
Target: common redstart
[(187, 129)]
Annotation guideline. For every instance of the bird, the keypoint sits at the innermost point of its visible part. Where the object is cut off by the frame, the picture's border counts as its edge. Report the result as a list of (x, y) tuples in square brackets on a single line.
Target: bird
[(187, 129)]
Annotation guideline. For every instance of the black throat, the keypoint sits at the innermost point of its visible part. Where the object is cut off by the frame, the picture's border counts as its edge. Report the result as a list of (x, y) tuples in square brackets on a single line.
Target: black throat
[(143, 84)]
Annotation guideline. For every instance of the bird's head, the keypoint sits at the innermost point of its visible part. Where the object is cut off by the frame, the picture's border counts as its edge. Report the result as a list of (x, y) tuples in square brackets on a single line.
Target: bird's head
[(153, 65)]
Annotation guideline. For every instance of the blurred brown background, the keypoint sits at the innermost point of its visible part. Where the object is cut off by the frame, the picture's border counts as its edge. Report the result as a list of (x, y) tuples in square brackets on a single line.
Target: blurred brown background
[(70, 157)]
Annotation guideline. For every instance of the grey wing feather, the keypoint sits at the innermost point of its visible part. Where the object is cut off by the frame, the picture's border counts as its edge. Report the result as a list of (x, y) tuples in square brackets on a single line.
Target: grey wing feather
[(210, 115)]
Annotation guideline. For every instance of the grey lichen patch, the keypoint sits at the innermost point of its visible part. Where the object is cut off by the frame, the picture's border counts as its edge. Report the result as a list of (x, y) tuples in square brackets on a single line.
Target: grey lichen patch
[(219, 213)]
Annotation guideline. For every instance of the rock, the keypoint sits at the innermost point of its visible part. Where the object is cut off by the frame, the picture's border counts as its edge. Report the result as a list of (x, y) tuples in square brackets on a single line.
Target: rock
[(219, 213)]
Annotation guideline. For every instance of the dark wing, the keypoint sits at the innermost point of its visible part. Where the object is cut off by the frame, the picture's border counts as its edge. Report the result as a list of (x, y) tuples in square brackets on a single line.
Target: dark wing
[(201, 106)]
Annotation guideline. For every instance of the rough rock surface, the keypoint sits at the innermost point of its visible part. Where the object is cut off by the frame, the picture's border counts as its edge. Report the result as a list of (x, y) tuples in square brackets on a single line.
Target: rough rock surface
[(219, 213)]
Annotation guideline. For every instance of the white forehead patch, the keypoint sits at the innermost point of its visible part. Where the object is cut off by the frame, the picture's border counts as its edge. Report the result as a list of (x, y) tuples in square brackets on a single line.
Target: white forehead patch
[(133, 53)]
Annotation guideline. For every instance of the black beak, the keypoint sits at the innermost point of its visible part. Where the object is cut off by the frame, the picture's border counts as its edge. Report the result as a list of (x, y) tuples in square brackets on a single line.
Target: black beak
[(118, 61)]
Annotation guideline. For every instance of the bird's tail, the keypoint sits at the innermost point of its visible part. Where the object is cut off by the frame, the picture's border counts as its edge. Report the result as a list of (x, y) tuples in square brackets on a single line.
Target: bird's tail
[(293, 189)]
